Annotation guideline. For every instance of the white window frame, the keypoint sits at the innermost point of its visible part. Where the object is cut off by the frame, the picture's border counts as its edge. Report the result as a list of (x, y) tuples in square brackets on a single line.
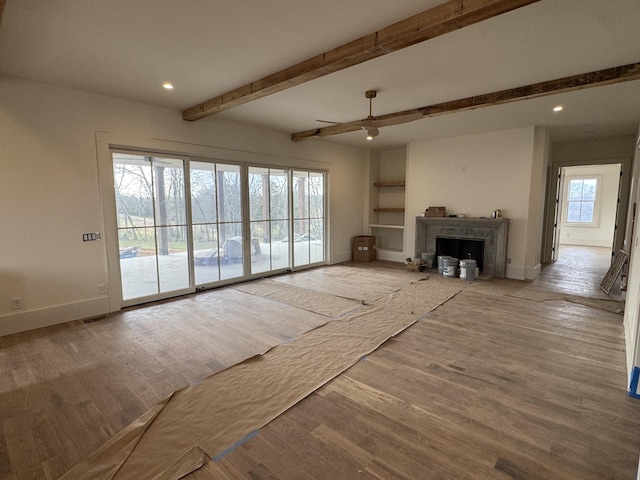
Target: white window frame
[(596, 204)]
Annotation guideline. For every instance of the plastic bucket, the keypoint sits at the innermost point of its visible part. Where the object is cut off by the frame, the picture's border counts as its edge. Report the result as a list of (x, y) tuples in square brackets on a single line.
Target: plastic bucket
[(468, 269), (450, 267), (426, 259), (441, 259)]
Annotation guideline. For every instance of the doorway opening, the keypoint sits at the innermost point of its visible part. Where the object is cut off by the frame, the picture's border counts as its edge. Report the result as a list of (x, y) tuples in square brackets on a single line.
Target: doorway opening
[(587, 202), (586, 215)]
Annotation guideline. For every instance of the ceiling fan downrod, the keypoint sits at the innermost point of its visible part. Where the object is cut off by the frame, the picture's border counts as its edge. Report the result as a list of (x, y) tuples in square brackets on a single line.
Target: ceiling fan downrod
[(372, 131)]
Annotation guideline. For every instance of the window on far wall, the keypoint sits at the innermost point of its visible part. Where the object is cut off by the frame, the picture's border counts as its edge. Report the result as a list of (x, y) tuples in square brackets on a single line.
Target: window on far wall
[(582, 198)]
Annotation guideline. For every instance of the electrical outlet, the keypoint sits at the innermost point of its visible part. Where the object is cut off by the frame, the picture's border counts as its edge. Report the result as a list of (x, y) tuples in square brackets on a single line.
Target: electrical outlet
[(102, 289), (16, 303)]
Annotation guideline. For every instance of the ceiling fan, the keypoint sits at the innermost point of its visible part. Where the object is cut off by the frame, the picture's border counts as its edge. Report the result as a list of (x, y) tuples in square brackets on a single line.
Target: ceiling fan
[(371, 124), (368, 123)]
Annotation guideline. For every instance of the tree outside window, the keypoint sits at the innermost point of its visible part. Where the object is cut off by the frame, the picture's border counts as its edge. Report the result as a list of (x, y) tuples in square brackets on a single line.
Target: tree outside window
[(581, 200)]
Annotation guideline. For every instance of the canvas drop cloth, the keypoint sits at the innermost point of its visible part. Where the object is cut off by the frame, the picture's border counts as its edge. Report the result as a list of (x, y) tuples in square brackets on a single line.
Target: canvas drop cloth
[(203, 421)]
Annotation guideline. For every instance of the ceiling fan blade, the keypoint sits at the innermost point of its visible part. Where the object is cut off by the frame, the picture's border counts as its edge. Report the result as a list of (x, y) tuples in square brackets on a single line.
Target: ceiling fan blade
[(390, 120), (377, 122)]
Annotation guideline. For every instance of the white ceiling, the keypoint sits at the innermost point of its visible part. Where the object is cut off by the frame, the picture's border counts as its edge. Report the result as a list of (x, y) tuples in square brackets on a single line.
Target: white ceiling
[(127, 48)]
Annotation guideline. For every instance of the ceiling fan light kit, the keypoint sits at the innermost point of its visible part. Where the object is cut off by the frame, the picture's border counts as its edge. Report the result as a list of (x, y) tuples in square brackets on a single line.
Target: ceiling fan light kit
[(371, 131)]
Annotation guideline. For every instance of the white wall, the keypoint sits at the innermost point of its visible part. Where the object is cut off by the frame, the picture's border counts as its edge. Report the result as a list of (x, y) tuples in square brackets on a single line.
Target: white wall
[(537, 196), (600, 235), (476, 174), (632, 304), (49, 189)]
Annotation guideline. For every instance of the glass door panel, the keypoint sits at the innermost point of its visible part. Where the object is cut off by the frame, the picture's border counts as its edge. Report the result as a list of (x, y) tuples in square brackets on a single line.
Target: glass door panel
[(280, 250), (204, 219), (151, 222), (308, 217), (269, 219), (229, 200), (216, 212)]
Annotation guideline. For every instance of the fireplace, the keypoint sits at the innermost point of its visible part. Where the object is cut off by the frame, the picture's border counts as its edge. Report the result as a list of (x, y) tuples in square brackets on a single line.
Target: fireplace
[(462, 249), (492, 232)]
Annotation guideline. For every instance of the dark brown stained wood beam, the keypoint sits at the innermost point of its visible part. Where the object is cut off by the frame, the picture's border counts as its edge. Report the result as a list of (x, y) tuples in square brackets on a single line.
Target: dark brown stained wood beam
[(447, 17), (598, 78), (3, 3)]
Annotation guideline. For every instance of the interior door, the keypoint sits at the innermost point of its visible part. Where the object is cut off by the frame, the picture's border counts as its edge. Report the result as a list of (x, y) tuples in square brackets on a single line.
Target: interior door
[(616, 230), (555, 250)]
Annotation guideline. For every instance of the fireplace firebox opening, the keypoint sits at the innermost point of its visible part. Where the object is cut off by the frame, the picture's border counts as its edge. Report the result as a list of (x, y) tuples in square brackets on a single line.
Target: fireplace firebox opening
[(462, 249)]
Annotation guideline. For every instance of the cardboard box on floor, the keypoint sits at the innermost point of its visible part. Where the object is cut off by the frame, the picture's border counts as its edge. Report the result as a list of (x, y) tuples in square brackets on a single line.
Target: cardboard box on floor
[(364, 248)]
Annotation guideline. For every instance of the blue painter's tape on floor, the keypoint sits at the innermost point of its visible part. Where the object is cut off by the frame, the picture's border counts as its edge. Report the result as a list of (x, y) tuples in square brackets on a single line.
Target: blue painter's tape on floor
[(234, 446), (635, 377)]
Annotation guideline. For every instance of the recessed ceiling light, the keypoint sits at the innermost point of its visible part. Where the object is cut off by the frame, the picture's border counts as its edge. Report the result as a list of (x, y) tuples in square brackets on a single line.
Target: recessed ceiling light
[(558, 108), (167, 86)]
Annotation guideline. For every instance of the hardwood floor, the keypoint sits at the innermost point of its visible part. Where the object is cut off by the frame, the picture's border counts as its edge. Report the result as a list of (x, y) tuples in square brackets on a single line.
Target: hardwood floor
[(579, 271), (485, 387), (488, 386)]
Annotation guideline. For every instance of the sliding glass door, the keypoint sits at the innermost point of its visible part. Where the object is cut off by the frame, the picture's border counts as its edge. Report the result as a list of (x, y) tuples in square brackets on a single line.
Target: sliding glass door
[(308, 217), (151, 224), (186, 224), (216, 218), (269, 219)]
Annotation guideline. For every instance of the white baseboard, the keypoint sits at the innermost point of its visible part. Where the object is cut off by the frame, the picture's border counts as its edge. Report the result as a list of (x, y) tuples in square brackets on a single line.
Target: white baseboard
[(516, 273), (531, 273), (341, 257), (45, 317), (523, 273), (585, 242)]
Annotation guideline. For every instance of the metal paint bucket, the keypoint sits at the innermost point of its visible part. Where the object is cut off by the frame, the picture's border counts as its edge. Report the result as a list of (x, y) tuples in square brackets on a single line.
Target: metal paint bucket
[(441, 259), (468, 269), (450, 267)]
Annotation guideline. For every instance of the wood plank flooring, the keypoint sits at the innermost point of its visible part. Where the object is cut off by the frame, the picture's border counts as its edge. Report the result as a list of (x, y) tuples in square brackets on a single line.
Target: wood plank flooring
[(488, 386), (484, 388)]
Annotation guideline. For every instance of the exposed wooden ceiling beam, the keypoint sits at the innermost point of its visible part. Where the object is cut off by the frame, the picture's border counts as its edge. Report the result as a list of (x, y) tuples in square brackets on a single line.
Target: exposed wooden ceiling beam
[(598, 78), (3, 3), (445, 18)]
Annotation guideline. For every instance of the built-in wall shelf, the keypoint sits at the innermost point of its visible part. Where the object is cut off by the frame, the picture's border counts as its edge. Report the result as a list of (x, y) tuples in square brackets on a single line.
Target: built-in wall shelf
[(399, 183), (380, 225), (386, 188), (389, 209)]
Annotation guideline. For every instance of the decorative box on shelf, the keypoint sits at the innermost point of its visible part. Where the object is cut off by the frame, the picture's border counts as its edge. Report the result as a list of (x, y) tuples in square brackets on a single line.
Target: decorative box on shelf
[(435, 212)]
